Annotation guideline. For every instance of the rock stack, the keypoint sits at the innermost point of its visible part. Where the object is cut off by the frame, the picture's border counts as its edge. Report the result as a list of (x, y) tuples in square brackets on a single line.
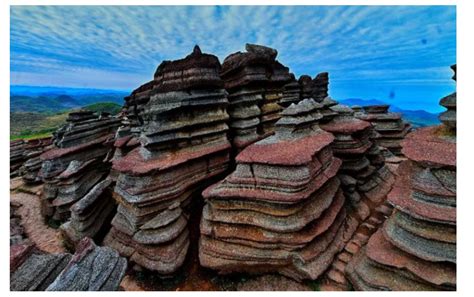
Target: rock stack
[(89, 214), (316, 88), (17, 150), (390, 126), (29, 170), (281, 210), (365, 180), (448, 118), (255, 82), (352, 144), (183, 146), (291, 92), (77, 163), (416, 247)]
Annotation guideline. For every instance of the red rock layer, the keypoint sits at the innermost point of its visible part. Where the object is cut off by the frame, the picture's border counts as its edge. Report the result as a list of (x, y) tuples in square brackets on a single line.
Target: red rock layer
[(182, 147), (282, 209)]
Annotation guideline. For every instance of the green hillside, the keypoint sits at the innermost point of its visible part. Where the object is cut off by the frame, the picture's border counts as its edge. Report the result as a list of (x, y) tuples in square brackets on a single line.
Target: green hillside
[(29, 125)]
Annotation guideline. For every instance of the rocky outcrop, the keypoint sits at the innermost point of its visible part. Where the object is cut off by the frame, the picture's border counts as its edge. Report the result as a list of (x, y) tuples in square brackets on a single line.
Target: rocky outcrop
[(77, 163), (291, 92), (183, 146), (365, 181), (390, 126), (448, 117), (90, 214), (416, 247), (281, 210), (91, 268), (24, 158), (255, 82), (30, 168)]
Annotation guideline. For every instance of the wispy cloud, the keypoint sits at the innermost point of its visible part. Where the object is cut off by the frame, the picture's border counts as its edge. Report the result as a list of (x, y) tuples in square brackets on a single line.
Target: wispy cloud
[(120, 46)]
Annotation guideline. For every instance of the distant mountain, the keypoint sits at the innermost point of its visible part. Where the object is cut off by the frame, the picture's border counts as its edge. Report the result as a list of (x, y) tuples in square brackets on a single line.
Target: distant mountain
[(54, 99), (418, 118)]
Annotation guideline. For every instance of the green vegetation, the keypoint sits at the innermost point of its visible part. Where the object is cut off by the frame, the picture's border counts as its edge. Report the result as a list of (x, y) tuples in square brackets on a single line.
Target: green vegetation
[(31, 125), (110, 107)]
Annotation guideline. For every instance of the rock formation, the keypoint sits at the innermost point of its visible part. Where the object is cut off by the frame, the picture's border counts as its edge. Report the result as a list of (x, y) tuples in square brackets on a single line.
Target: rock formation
[(24, 157), (183, 146), (291, 92), (448, 118), (416, 247), (77, 163), (30, 168), (90, 214), (365, 181), (281, 210), (255, 82), (390, 126), (92, 268)]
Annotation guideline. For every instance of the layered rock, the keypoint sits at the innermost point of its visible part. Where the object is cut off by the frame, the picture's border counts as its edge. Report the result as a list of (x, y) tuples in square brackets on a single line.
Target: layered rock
[(92, 268), (291, 92), (255, 82), (38, 271), (448, 117), (24, 159), (362, 173), (416, 247), (77, 163), (390, 126), (183, 146), (281, 210), (90, 214), (29, 170), (365, 180)]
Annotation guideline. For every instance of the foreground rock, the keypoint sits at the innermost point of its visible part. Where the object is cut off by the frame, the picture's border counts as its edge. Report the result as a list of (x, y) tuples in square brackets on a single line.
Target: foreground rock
[(24, 158), (183, 146), (92, 268), (416, 248), (281, 210)]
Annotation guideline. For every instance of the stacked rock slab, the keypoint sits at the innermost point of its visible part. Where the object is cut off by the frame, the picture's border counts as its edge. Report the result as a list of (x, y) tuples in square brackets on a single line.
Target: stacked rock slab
[(365, 180), (17, 149), (91, 268), (29, 170), (448, 118), (183, 146), (360, 176), (90, 214), (77, 163), (282, 209), (390, 126), (291, 92), (255, 82), (317, 89), (416, 247)]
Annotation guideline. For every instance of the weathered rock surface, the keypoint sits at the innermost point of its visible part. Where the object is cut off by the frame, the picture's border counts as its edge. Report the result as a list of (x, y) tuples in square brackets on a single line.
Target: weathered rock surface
[(448, 117), (390, 126), (255, 82), (90, 214), (416, 247), (24, 158), (281, 210), (91, 268), (78, 162), (183, 146)]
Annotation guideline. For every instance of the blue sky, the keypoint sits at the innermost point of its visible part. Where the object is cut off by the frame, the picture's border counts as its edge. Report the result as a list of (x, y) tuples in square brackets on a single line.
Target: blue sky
[(398, 54)]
